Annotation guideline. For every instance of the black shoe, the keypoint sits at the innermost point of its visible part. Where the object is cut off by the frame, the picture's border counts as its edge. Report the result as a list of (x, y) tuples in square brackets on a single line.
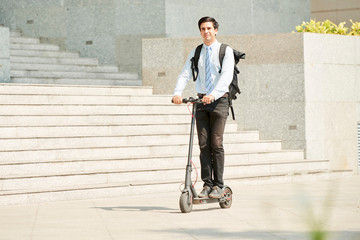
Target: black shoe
[(205, 192), (216, 192)]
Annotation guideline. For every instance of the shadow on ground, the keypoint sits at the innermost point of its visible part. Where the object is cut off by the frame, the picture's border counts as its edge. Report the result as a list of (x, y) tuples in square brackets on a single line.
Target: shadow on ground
[(136, 208), (153, 208)]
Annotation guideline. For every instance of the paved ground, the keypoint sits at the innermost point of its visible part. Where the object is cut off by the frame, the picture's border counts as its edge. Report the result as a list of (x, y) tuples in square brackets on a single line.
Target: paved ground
[(276, 211)]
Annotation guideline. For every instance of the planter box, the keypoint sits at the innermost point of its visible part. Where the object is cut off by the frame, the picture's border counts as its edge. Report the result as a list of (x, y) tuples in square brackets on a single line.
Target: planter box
[(303, 89)]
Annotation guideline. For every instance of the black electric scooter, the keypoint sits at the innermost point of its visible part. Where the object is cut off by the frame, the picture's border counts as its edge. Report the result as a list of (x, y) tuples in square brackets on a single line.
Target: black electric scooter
[(189, 196)]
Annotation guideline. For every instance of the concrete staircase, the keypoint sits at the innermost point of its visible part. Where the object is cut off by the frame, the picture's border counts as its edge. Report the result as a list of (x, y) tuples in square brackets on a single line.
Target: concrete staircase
[(61, 142), (40, 63)]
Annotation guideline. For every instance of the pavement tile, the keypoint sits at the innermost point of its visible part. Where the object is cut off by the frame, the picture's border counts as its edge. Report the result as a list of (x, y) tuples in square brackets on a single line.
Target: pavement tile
[(263, 211)]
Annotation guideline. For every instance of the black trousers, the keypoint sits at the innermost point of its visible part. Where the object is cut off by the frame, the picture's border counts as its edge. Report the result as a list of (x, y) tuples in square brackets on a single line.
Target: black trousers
[(210, 124)]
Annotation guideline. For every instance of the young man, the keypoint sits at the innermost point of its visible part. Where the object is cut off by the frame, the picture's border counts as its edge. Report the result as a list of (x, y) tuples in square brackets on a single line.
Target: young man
[(213, 88)]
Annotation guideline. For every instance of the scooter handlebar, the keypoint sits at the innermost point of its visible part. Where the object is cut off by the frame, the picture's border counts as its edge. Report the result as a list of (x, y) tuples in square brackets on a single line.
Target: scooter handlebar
[(190, 99)]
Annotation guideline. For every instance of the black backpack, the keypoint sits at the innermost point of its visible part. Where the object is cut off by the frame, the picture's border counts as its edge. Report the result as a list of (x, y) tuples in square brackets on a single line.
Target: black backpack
[(234, 87)]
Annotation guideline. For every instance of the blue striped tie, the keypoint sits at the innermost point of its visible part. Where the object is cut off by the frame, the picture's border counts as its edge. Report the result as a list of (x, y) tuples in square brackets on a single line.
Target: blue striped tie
[(208, 82)]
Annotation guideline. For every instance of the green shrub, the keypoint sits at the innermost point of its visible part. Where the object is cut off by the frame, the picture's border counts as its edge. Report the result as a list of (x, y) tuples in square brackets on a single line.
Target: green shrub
[(355, 28), (328, 27)]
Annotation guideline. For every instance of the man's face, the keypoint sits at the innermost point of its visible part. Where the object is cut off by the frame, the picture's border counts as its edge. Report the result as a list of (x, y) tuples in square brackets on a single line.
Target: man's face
[(208, 33)]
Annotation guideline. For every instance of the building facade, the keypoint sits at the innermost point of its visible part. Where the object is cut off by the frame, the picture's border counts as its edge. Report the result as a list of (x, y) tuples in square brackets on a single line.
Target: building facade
[(336, 10)]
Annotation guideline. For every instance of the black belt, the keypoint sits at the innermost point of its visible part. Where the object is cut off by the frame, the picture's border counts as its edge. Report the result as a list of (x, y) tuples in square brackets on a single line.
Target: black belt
[(200, 95)]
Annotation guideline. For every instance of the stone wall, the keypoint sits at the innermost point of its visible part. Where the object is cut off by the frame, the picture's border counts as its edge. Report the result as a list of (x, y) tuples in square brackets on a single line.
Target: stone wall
[(271, 80), (112, 30), (4, 55), (289, 84)]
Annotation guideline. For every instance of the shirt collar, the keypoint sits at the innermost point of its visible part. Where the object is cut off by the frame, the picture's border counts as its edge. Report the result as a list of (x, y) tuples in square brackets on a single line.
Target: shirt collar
[(212, 45)]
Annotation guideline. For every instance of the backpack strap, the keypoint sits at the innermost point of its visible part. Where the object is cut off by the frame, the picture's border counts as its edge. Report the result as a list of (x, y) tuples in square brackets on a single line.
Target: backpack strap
[(221, 59), (222, 54), (195, 61)]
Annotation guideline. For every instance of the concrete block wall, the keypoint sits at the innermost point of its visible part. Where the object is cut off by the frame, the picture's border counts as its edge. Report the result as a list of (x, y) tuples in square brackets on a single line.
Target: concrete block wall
[(235, 16), (4, 55), (295, 88), (112, 30)]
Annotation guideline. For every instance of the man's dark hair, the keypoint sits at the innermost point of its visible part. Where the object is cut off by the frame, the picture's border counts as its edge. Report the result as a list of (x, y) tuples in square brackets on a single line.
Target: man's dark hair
[(208, 19)]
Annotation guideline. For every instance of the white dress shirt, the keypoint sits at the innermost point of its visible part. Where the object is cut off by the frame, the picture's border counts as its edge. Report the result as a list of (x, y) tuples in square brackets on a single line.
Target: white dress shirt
[(221, 81)]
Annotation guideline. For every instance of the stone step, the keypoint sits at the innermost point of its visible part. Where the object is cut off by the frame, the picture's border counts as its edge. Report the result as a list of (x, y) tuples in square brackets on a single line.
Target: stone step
[(296, 176), (174, 174), (30, 65), (54, 60), (21, 144), (161, 160), (69, 81), (14, 99), (46, 89), (78, 120), (81, 75), (60, 67), (37, 53), (98, 130), (15, 34), (30, 196), (89, 109), (30, 167), (26, 40), (131, 151), (29, 46)]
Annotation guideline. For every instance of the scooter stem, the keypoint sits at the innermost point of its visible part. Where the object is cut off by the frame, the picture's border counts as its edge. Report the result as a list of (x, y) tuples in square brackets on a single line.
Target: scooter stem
[(191, 140), (188, 182)]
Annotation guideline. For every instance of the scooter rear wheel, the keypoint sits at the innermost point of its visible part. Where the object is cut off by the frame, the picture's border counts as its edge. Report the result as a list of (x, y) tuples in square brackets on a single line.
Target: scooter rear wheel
[(185, 202), (227, 199)]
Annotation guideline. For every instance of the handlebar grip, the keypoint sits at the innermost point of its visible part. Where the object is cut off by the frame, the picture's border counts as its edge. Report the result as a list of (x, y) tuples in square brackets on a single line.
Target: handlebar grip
[(184, 100)]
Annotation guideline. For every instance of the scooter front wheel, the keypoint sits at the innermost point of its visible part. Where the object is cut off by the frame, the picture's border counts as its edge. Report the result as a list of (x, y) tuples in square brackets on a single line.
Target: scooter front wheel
[(185, 202), (226, 200)]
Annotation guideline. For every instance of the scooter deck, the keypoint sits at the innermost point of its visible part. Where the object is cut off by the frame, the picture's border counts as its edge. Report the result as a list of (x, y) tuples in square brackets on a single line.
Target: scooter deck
[(205, 200)]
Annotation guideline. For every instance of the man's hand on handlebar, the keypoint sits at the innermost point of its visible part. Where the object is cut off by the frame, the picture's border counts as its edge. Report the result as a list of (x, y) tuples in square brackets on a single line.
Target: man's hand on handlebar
[(177, 99), (208, 99), (205, 100)]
